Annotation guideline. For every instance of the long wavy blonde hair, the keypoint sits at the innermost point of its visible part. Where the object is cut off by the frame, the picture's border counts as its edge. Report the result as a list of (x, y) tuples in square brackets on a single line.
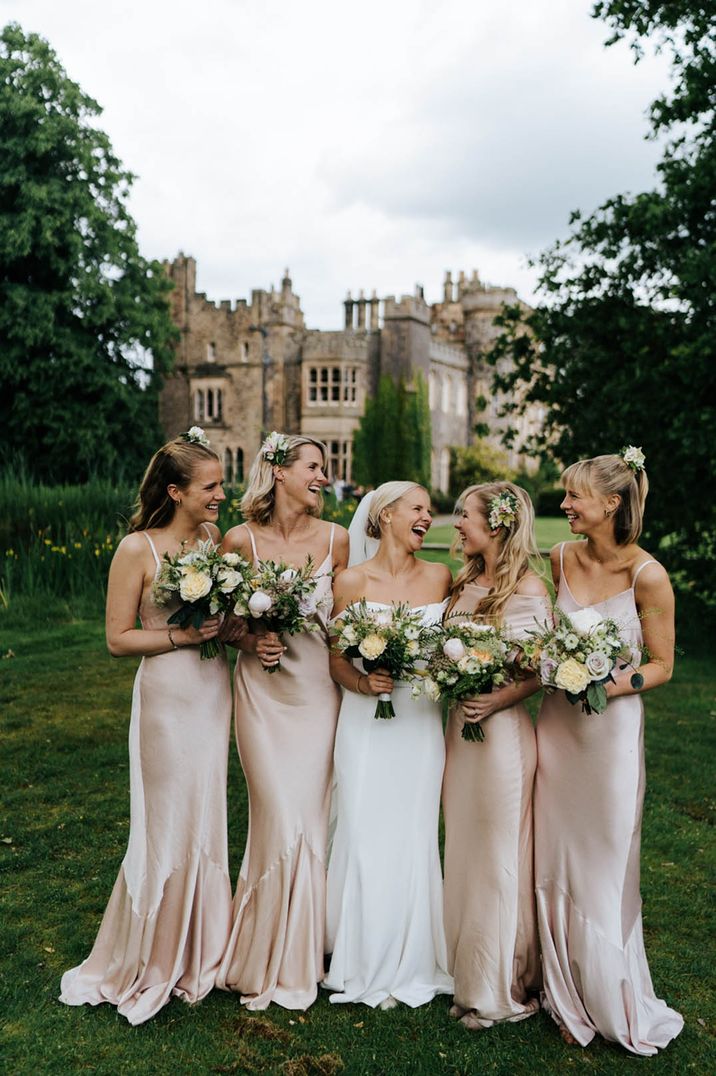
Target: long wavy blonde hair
[(517, 546), (259, 500)]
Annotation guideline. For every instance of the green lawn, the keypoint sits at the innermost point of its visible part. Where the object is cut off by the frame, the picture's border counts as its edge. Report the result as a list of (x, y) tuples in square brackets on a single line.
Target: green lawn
[(64, 823), (548, 530)]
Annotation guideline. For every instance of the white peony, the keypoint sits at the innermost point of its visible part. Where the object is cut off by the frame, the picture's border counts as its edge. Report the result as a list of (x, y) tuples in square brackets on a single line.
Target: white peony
[(584, 620), (598, 665), (454, 649), (194, 585), (232, 559), (288, 576), (228, 580), (259, 603)]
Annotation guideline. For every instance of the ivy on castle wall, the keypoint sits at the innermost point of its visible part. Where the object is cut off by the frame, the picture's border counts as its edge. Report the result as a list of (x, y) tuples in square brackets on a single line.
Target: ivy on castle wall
[(394, 438)]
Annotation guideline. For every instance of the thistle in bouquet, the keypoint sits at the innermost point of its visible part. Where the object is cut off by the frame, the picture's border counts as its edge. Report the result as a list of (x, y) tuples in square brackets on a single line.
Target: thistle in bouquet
[(578, 655), (281, 598), (468, 659), (392, 638), (205, 580)]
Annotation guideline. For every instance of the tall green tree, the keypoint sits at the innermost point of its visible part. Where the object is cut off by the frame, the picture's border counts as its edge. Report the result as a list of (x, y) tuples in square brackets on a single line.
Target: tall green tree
[(85, 329), (393, 440), (622, 347)]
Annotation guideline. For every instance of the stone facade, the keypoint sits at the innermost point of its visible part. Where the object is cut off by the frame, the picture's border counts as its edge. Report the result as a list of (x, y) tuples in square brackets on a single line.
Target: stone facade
[(244, 368)]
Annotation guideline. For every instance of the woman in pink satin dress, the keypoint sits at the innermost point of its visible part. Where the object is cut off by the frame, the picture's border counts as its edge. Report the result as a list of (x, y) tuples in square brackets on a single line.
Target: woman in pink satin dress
[(490, 917), (589, 788), (285, 729), (167, 923)]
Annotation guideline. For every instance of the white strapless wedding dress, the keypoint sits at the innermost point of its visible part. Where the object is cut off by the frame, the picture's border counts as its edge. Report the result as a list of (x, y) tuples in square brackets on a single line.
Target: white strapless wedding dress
[(384, 903)]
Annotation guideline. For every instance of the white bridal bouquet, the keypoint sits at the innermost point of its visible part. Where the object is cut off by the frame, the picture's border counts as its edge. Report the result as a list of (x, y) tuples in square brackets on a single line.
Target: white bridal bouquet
[(393, 638), (468, 659), (578, 656), (206, 581), (281, 597)]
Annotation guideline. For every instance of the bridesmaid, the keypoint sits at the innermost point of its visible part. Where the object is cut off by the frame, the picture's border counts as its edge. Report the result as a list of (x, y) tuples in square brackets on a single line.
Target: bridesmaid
[(590, 775), (285, 728), (168, 919), (490, 918)]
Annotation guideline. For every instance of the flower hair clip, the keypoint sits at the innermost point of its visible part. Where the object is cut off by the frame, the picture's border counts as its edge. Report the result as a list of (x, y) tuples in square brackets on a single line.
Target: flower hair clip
[(503, 511), (633, 457), (275, 448), (195, 436)]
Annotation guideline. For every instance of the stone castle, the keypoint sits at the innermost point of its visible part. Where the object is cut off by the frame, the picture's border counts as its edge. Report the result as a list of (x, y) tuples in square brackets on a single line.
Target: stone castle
[(243, 368)]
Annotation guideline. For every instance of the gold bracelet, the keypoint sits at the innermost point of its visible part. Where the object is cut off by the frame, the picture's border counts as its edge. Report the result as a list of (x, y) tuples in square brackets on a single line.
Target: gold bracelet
[(358, 690), (171, 639)]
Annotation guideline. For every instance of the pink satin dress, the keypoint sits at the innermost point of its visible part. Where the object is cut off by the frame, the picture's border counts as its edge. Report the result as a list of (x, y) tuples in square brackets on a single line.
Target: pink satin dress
[(167, 923), (589, 795), (490, 916), (285, 730)]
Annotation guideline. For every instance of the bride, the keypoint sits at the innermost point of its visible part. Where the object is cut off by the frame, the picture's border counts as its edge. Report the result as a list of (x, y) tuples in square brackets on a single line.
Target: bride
[(384, 903)]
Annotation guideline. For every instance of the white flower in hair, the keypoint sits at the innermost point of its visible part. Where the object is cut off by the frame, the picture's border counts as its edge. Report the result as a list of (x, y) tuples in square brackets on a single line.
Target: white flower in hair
[(503, 510), (633, 457), (275, 448), (196, 436)]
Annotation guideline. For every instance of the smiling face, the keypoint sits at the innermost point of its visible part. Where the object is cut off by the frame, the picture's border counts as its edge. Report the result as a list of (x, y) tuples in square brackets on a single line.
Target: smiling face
[(200, 500), (409, 518), (586, 512), (304, 479), (473, 528)]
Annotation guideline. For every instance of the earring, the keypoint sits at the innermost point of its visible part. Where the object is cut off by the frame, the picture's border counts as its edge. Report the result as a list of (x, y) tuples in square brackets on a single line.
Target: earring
[(388, 519)]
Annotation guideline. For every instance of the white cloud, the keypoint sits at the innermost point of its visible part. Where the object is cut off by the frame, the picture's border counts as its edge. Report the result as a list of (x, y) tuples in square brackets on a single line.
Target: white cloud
[(370, 146)]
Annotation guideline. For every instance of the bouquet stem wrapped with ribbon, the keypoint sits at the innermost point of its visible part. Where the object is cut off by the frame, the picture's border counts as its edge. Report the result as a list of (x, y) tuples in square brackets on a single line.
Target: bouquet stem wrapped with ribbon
[(393, 638), (206, 581)]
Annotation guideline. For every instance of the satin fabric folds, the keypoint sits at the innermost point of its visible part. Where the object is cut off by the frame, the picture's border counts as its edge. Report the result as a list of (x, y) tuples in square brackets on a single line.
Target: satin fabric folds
[(167, 922), (588, 810), (285, 729), (490, 914)]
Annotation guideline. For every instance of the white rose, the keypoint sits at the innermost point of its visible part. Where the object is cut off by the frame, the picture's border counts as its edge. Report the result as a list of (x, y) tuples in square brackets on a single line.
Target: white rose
[(194, 585), (571, 676), (635, 456), (259, 603), (232, 559), (453, 649), (288, 576), (585, 619), (228, 580), (372, 647), (598, 665)]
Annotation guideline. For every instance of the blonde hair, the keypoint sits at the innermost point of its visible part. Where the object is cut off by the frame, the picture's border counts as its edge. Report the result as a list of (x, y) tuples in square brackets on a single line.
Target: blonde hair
[(610, 475), (517, 545), (385, 497), (259, 500), (173, 465)]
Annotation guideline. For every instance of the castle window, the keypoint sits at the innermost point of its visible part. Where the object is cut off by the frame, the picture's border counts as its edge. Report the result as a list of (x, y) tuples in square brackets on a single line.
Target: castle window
[(332, 384), (339, 460), (199, 405), (239, 465), (208, 404), (228, 466), (350, 384), (211, 352), (244, 352)]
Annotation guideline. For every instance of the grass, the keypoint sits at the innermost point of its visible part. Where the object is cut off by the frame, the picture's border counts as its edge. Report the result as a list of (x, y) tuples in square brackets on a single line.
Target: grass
[(64, 825)]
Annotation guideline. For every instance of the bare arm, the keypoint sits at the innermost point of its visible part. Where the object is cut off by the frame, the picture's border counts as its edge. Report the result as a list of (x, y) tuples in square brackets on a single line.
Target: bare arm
[(655, 603), (127, 579)]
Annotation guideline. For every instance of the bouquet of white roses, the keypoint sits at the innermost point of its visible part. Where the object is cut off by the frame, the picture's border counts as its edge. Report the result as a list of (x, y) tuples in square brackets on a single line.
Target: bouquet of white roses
[(205, 580), (393, 638), (578, 656), (468, 659), (281, 597)]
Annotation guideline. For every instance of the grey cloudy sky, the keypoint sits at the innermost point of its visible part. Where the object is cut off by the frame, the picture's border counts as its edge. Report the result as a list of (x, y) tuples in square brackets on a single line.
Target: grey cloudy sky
[(369, 145)]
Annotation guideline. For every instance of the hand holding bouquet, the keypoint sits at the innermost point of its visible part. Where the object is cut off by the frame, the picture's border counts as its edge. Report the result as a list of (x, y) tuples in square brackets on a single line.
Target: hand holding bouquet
[(390, 637), (281, 597), (205, 580), (468, 659), (578, 655)]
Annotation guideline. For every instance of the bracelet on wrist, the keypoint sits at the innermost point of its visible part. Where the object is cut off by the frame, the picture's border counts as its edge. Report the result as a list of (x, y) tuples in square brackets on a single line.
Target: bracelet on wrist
[(358, 687), (171, 639)]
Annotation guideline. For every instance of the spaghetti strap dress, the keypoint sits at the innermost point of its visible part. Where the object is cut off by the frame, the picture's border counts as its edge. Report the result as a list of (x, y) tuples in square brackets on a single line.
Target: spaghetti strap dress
[(589, 794), (285, 730), (490, 915), (166, 926)]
